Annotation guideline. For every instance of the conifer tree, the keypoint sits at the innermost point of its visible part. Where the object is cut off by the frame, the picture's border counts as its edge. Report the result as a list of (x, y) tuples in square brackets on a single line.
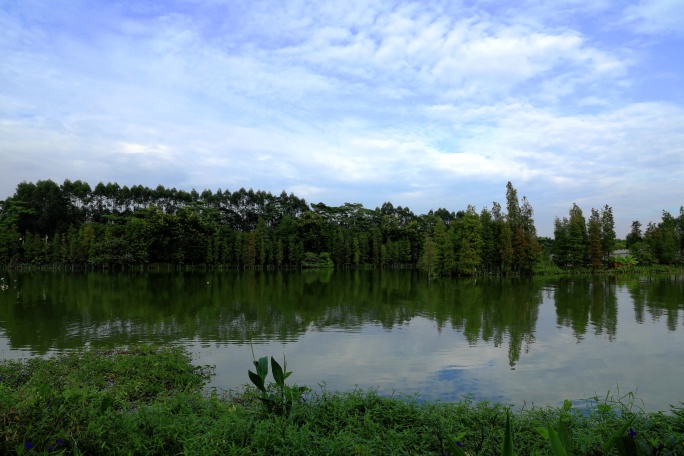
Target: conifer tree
[(595, 250), (607, 232), (577, 237)]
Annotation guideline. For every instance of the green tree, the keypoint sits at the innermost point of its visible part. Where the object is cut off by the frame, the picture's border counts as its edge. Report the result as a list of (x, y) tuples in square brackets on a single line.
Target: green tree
[(577, 237), (429, 261), (595, 246), (444, 249), (138, 238), (642, 251), (561, 242), (608, 237), (249, 252), (280, 253), (262, 242), (356, 248), (663, 240), (526, 249), (41, 208), (506, 248), (634, 235), (468, 235), (490, 256), (532, 249)]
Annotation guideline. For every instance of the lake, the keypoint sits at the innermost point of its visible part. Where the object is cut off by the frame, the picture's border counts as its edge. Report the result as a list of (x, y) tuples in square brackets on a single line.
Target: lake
[(530, 340)]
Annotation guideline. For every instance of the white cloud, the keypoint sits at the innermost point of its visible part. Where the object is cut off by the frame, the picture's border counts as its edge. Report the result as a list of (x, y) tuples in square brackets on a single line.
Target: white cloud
[(157, 150), (393, 99), (656, 16)]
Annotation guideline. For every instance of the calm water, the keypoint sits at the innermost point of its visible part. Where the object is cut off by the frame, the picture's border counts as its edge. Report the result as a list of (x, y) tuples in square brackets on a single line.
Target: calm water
[(525, 340)]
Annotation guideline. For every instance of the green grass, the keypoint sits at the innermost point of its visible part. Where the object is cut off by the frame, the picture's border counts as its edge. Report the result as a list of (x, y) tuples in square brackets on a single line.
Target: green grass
[(151, 401)]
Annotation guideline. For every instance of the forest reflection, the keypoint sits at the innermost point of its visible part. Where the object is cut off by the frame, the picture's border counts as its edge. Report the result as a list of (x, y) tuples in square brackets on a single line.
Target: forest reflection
[(45, 311)]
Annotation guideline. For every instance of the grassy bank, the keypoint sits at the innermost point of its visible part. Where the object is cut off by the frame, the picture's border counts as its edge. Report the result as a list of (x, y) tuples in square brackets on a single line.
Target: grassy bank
[(150, 400)]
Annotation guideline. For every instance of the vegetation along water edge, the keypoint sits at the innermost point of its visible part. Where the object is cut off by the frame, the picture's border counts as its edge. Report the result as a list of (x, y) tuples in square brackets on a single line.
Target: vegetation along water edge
[(111, 227), (152, 400)]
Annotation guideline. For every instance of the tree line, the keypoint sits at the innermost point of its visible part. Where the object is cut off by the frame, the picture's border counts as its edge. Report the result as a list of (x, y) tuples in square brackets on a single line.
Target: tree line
[(47, 224), (580, 242)]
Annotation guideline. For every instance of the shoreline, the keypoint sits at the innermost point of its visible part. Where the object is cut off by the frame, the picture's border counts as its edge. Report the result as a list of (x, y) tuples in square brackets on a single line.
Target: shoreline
[(153, 400)]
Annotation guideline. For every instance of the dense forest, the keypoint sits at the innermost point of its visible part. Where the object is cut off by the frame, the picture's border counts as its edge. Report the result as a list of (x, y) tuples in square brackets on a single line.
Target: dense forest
[(109, 226)]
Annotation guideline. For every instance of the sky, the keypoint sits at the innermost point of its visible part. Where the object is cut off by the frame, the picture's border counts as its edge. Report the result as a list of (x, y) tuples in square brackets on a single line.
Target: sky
[(427, 105)]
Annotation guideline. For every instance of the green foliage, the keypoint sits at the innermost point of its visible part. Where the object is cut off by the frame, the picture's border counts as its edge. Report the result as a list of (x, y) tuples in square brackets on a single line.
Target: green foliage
[(59, 405), (147, 400), (561, 444), (608, 238), (507, 449), (114, 227), (595, 246), (285, 396), (428, 261), (322, 260), (627, 261)]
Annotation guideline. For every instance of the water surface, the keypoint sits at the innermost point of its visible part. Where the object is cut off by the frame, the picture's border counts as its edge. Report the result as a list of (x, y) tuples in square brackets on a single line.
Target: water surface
[(520, 340)]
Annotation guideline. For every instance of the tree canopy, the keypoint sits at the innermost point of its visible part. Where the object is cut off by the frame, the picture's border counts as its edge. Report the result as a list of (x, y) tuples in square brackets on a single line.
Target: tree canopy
[(44, 223)]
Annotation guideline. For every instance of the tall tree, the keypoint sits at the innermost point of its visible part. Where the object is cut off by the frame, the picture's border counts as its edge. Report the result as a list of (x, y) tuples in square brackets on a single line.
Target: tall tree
[(263, 242), (44, 208), (468, 238), (512, 207), (634, 235), (526, 249), (663, 239), (595, 249), (532, 249), (607, 232), (577, 237), (490, 257), (506, 248), (561, 242), (429, 261)]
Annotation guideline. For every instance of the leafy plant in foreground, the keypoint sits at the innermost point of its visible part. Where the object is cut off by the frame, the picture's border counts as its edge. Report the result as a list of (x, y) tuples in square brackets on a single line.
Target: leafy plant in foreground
[(561, 444), (281, 401)]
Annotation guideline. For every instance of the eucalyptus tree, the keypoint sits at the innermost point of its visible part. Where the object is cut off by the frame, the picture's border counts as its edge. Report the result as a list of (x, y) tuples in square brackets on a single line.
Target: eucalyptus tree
[(78, 195), (40, 208), (445, 216), (112, 197)]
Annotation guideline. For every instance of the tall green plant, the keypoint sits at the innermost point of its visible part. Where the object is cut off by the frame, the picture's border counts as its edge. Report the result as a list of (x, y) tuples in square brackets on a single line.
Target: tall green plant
[(561, 445), (284, 397)]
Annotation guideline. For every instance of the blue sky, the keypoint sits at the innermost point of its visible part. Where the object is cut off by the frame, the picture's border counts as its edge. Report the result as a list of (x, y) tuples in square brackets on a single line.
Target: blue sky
[(427, 105)]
